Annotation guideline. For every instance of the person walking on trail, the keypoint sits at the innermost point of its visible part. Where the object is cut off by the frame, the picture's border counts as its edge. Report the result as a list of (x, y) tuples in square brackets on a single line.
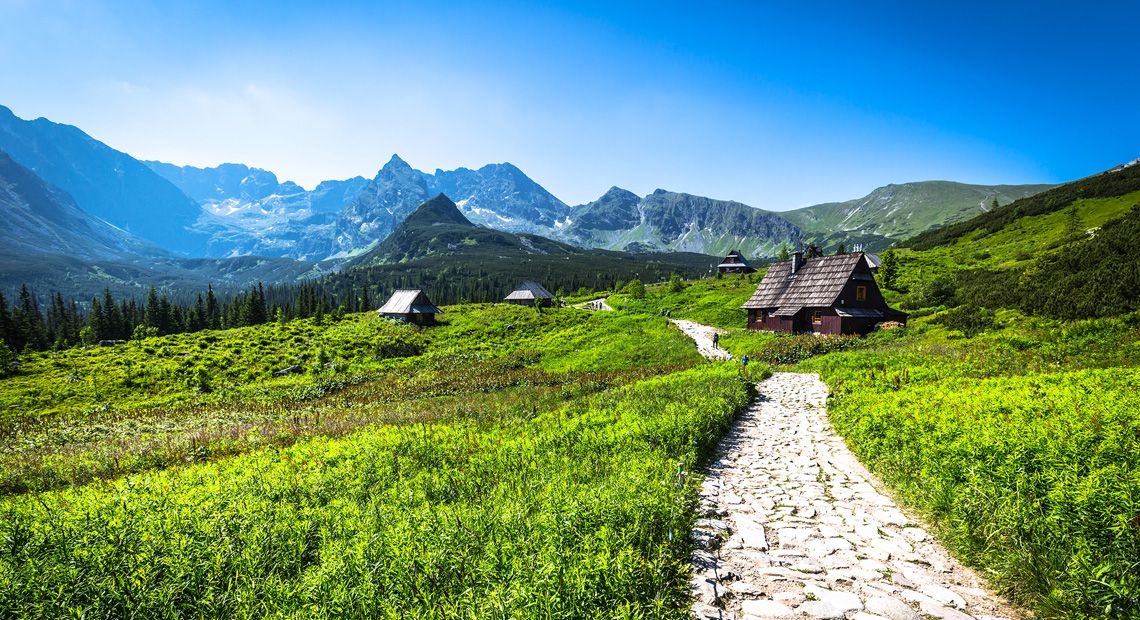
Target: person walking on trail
[(716, 340), (744, 362)]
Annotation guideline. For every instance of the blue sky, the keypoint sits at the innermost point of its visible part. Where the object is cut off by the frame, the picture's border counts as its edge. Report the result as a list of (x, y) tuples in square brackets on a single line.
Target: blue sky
[(776, 106)]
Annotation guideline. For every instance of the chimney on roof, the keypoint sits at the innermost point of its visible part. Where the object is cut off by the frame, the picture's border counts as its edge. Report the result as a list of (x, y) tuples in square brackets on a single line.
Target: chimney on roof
[(797, 261)]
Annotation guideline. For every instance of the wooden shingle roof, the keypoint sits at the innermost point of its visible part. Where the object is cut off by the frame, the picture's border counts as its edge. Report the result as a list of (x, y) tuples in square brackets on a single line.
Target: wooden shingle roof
[(818, 283)]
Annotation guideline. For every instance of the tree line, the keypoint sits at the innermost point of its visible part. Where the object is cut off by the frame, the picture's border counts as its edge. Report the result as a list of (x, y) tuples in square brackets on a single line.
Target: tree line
[(30, 323), (26, 324)]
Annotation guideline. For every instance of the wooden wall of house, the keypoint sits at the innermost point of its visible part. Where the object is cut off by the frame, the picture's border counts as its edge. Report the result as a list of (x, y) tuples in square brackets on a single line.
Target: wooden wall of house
[(770, 324)]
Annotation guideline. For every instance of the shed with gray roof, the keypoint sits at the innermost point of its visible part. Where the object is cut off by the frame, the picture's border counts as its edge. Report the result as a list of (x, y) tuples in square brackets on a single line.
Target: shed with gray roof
[(529, 293), (411, 305)]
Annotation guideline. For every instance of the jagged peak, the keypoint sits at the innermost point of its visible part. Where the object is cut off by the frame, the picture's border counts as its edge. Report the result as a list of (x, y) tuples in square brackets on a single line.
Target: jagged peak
[(438, 210), (397, 162)]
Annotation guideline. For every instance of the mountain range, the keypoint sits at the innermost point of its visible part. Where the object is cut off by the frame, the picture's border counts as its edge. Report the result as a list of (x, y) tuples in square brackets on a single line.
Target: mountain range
[(108, 206)]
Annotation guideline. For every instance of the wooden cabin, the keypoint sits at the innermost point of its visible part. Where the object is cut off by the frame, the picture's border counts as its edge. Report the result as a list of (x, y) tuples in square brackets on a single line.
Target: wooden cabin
[(735, 263), (820, 295), (529, 293), (411, 305)]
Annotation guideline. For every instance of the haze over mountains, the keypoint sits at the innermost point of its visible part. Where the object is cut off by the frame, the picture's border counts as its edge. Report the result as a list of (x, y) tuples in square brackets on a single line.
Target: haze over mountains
[(97, 203)]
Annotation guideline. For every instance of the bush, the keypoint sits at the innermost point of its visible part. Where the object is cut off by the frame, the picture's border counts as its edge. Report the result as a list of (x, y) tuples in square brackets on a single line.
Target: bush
[(635, 289), (9, 361), (941, 291), (969, 319), (793, 349)]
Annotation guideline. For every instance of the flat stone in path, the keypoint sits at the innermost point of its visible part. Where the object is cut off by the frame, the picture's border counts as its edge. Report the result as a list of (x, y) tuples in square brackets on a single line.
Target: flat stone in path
[(793, 526)]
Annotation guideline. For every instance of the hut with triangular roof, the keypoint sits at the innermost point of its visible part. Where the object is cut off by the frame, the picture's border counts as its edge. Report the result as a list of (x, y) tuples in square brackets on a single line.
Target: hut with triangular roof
[(529, 293), (411, 305), (820, 295), (735, 263)]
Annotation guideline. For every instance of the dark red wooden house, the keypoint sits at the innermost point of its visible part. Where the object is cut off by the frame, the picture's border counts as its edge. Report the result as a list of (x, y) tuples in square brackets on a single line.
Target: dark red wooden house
[(820, 295)]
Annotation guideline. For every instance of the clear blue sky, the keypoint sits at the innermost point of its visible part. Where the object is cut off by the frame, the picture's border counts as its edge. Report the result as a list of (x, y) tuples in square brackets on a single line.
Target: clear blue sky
[(777, 107)]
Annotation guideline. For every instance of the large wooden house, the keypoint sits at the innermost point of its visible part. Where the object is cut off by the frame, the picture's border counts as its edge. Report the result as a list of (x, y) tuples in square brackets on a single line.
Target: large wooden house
[(820, 295), (411, 305), (735, 263)]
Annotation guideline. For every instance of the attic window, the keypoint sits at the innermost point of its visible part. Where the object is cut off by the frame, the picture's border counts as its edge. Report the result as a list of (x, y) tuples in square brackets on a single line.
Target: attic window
[(860, 293), (816, 316)]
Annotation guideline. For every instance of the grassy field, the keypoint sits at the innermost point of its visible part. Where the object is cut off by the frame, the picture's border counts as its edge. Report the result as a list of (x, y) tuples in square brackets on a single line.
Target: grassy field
[(78, 415), (508, 463)]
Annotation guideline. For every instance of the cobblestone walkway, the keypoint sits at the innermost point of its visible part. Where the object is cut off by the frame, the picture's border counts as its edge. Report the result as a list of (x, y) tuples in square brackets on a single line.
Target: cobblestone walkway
[(792, 527)]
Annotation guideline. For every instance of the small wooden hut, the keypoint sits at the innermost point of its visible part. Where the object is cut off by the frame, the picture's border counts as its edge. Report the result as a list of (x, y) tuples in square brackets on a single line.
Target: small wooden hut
[(411, 305), (735, 263), (529, 293), (820, 295)]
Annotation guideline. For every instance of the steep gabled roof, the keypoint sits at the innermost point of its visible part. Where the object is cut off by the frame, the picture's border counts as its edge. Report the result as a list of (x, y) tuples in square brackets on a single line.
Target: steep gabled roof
[(817, 284), (529, 289), (413, 301), (734, 259)]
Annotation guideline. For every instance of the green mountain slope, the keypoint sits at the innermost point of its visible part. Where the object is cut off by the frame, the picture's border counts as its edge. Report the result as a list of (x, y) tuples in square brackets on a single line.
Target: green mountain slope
[(1070, 252), (901, 211)]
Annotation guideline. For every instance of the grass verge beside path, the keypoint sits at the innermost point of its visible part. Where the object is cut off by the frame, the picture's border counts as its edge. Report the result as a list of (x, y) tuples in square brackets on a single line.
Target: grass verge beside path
[(1022, 446), (582, 511)]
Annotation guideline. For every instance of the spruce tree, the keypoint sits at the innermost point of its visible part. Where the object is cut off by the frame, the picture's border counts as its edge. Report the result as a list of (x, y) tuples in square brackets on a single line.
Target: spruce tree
[(29, 323), (152, 312), (213, 313), (6, 328)]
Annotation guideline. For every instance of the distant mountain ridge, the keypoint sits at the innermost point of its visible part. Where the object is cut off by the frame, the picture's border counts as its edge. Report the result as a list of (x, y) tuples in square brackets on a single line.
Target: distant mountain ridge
[(42, 219), (234, 210), (496, 195), (674, 221), (437, 228), (105, 183), (247, 211)]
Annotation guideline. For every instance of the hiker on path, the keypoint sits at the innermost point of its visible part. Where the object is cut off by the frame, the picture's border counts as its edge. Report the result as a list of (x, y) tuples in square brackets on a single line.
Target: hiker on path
[(716, 340)]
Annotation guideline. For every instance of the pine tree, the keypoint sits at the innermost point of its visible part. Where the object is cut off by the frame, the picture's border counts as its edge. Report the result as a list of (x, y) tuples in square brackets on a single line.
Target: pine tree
[(841, 249)]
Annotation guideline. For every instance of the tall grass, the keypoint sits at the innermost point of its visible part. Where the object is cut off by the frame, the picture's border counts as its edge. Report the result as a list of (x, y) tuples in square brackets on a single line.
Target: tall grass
[(1022, 446), (578, 512)]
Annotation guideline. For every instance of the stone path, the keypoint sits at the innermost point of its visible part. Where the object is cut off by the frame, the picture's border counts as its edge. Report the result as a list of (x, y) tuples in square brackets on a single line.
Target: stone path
[(702, 335), (793, 527)]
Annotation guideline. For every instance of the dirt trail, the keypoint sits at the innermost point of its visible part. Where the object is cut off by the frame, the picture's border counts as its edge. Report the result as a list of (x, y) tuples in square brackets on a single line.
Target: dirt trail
[(703, 336), (595, 304), (793, 526)]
